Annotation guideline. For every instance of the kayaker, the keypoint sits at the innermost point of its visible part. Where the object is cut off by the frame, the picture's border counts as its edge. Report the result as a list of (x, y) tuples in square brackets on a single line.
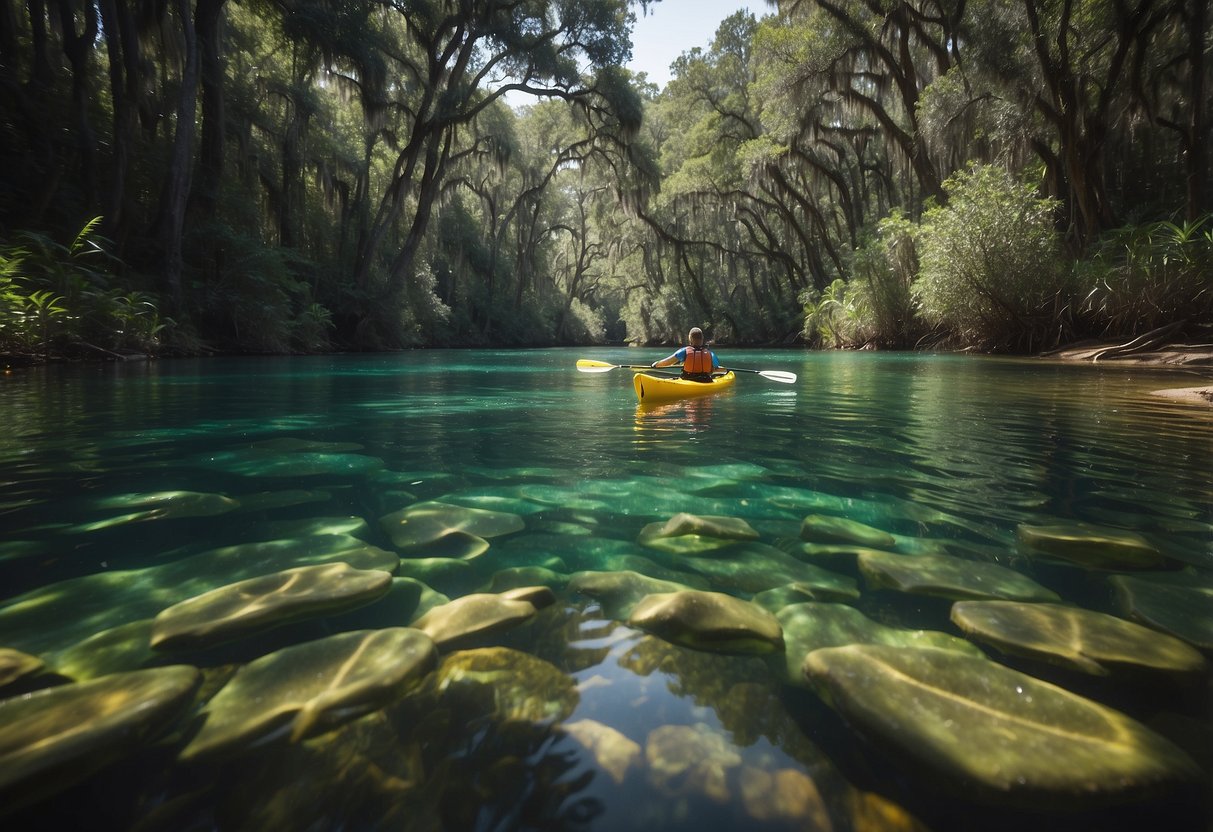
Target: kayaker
[(698, 362)]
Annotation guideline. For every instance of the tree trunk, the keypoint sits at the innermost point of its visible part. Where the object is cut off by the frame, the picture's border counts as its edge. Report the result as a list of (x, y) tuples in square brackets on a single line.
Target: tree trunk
[(208, 23), (115, 200), (177, 183), (1197, 155), (77, 48)]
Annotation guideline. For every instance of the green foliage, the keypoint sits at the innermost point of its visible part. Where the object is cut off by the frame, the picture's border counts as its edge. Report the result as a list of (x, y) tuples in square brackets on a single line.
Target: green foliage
[(990, 263), (882, 275), (311, 329), (1142, 277), (249, 304), (833, 315), (369, 187), (56, 297)]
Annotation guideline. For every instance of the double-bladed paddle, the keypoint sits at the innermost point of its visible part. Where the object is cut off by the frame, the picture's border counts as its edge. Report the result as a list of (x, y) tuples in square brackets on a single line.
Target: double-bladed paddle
[(588, 365)]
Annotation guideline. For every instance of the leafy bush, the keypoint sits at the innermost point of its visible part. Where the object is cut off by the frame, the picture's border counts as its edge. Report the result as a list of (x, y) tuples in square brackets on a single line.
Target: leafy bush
[(990, 267), (1143, 277), (56, 297), (882, 275), (834, 316), (250, 294)]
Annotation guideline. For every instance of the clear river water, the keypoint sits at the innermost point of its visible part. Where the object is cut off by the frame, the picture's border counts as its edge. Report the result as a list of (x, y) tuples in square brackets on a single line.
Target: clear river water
[(126, 489)]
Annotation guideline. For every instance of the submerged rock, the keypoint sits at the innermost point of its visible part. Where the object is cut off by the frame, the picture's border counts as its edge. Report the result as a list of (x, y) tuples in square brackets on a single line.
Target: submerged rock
[(1086, 544), (619, 592), (495, 682), (756, 567), (311, 688), (53, 738), (472, 616), (725, 528), (538, 597), (614, 752), (997, 734), (786, 796), (708, 621), (351, 525), (521, 576), (773, 600), (405, 602), (1184, 611), (690, 533), (820, 528), (691, 760), (118, 649), (239, 609), (59, 615), (449, 575), (260, 462), (947, 577), (161, 505), (424, 524), (812, 626), (16, 665), (1083, 640)]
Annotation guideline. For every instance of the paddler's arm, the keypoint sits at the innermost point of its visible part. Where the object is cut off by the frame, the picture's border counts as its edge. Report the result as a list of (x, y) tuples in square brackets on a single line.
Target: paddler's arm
[(670, 360)]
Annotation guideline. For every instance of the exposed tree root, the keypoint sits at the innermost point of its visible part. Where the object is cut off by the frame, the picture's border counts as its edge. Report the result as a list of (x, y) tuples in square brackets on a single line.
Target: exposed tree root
[(1142, 343)]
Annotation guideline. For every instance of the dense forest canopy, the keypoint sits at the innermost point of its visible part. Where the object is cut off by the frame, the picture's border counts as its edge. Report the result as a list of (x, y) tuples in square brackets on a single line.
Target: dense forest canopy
[(302, 175)]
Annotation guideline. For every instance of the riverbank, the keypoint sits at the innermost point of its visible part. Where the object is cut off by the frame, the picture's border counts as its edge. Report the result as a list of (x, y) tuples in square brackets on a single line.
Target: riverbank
[(1170, 355)]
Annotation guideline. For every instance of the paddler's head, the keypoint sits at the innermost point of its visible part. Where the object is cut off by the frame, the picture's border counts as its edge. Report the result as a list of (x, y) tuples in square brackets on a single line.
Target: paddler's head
[(695, 337)]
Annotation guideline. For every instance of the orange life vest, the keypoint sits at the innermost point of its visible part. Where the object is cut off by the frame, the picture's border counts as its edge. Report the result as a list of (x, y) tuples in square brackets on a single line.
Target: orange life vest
[(698, 360)]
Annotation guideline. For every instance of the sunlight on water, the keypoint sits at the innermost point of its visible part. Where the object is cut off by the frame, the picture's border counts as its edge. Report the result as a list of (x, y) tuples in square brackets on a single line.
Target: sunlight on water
[(853, 507)]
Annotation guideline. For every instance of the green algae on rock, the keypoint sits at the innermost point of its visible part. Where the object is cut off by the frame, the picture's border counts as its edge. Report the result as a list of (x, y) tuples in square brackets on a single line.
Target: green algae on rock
[(999, 735), (310, 688), (820, 528), (472, 616), (943, 576), (708, 621), (257, 604), (813, 626), (1083, 640), (53, 738), (1099, 547)]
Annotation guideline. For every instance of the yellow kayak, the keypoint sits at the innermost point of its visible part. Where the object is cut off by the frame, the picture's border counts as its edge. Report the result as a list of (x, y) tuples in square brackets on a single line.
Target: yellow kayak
[(655, 388)]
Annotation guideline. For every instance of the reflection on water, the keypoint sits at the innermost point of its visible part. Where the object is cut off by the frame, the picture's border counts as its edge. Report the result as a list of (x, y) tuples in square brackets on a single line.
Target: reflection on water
[(127, 489)]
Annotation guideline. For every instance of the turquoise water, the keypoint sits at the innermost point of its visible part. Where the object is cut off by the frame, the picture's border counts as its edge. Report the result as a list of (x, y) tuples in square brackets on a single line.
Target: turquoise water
[(949, 454)]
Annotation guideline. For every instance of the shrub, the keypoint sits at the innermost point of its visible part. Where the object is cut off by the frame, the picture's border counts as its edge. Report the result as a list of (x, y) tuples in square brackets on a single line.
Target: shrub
[(56, 297), (991, 272), (1142, 277), (882, 274)]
